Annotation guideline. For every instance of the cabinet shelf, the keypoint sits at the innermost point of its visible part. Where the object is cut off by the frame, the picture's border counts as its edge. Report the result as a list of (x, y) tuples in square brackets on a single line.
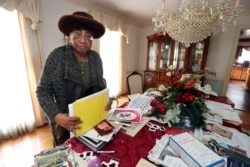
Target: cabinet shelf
[(163, 51), (239, 73)]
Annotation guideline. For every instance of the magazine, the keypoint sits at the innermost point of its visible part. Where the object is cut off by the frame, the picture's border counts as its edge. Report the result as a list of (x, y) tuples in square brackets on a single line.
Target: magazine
[(58, 156), (133, 115)]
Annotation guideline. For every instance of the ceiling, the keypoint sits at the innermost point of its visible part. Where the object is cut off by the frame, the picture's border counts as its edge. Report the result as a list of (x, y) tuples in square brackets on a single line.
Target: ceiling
[(142, 11)]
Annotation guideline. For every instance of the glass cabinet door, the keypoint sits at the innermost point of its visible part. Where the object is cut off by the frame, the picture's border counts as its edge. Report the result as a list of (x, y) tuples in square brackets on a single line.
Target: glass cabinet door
[(179, 55), (195, 59), (165, 53), (152, 57)]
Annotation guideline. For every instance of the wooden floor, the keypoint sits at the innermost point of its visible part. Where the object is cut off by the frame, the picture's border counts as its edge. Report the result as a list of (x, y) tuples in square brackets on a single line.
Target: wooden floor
[(19, 152), (239, 94)]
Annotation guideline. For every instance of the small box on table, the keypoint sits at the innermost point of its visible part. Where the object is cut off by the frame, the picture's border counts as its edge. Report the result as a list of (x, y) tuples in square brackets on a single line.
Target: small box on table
[(193, 152)]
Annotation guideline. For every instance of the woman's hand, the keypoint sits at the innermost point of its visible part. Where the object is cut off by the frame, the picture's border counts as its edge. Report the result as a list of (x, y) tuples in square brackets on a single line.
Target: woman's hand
[(67, 122), (110, 102), (108, 105)]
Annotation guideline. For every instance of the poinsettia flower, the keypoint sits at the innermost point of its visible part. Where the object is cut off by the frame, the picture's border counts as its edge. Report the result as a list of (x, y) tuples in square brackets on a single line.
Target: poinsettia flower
[(161, 108), (173, 82), (189, 84), (153, 102), (198, 93), (188, 97), (179, 98)]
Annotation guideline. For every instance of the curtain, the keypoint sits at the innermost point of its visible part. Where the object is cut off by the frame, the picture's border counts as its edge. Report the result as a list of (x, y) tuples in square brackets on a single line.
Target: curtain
[(30, 8), (32, 52), (112, 23), (29, 19)]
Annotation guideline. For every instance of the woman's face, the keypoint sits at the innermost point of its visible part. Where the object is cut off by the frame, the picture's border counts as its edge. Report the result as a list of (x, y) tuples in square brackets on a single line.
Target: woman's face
[(81, 40)]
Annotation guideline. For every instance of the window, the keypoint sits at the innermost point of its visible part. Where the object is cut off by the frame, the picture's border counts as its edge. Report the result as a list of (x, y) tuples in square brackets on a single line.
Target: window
[(110, 51), (245, 56), (16, 106)]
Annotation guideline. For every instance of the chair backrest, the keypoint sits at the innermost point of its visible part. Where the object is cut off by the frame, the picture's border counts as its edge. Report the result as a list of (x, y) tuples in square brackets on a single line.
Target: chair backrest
[(134, 82), (105, 82)]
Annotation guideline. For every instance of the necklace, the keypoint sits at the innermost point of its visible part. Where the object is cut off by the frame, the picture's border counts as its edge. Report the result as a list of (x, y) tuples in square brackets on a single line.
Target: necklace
[(82, 65)]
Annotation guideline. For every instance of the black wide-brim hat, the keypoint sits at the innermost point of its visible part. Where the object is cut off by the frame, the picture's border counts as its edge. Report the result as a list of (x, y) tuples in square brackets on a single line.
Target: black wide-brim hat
[(78, 21)]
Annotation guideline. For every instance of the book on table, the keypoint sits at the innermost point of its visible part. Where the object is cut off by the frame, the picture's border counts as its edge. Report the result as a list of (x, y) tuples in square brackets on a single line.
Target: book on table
[(93, 144), (193, 152), (93, 140), (95, 130)]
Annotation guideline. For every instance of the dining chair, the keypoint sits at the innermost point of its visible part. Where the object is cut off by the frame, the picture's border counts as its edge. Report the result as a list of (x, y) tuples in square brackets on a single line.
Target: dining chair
[(134, 82), (105, 82)]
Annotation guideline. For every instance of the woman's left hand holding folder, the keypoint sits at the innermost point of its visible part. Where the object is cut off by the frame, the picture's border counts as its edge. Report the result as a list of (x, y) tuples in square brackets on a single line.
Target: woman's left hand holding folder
[(68, 122)]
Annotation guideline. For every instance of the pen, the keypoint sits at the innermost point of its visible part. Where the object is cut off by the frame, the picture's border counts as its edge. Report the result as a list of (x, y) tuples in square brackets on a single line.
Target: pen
[(112, 151), (109, 156)]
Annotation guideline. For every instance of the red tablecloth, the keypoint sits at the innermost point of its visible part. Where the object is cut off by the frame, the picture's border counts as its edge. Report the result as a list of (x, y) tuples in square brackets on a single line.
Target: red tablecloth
[(127, 149)]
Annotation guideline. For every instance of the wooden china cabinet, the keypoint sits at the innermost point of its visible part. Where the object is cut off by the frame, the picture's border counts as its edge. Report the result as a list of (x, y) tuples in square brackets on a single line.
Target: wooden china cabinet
[(164, 51)]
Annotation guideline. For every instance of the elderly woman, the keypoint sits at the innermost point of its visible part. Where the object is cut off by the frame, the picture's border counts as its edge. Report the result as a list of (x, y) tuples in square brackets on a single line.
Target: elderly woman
[(71, 72)]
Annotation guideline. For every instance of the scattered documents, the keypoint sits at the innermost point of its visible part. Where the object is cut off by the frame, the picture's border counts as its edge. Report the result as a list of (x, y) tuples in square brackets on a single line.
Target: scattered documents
[(225, 110), (135, 128), (144, 163), (140, 101), (163, 154)]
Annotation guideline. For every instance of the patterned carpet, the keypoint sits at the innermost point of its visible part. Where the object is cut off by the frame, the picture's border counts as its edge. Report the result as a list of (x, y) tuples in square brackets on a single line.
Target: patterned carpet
[(239, 94)]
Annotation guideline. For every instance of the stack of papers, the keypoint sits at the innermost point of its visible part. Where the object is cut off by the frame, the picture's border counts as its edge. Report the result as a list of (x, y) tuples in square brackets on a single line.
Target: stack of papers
[(225, 110), (141, 102), (95, 141), (163, 154)]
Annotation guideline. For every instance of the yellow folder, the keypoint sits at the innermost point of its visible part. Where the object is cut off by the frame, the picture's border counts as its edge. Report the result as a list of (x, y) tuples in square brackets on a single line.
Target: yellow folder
[(91, 110)]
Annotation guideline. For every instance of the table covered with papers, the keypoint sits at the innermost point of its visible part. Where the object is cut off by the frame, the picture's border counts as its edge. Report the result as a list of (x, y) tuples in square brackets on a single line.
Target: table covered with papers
[(128, 150)]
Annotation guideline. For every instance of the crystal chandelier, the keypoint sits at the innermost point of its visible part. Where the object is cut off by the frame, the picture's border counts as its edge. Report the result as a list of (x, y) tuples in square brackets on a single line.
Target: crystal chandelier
[(196, 19)]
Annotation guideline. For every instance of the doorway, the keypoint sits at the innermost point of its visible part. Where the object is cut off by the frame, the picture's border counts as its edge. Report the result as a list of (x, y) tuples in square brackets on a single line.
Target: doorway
[(237, 90)]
